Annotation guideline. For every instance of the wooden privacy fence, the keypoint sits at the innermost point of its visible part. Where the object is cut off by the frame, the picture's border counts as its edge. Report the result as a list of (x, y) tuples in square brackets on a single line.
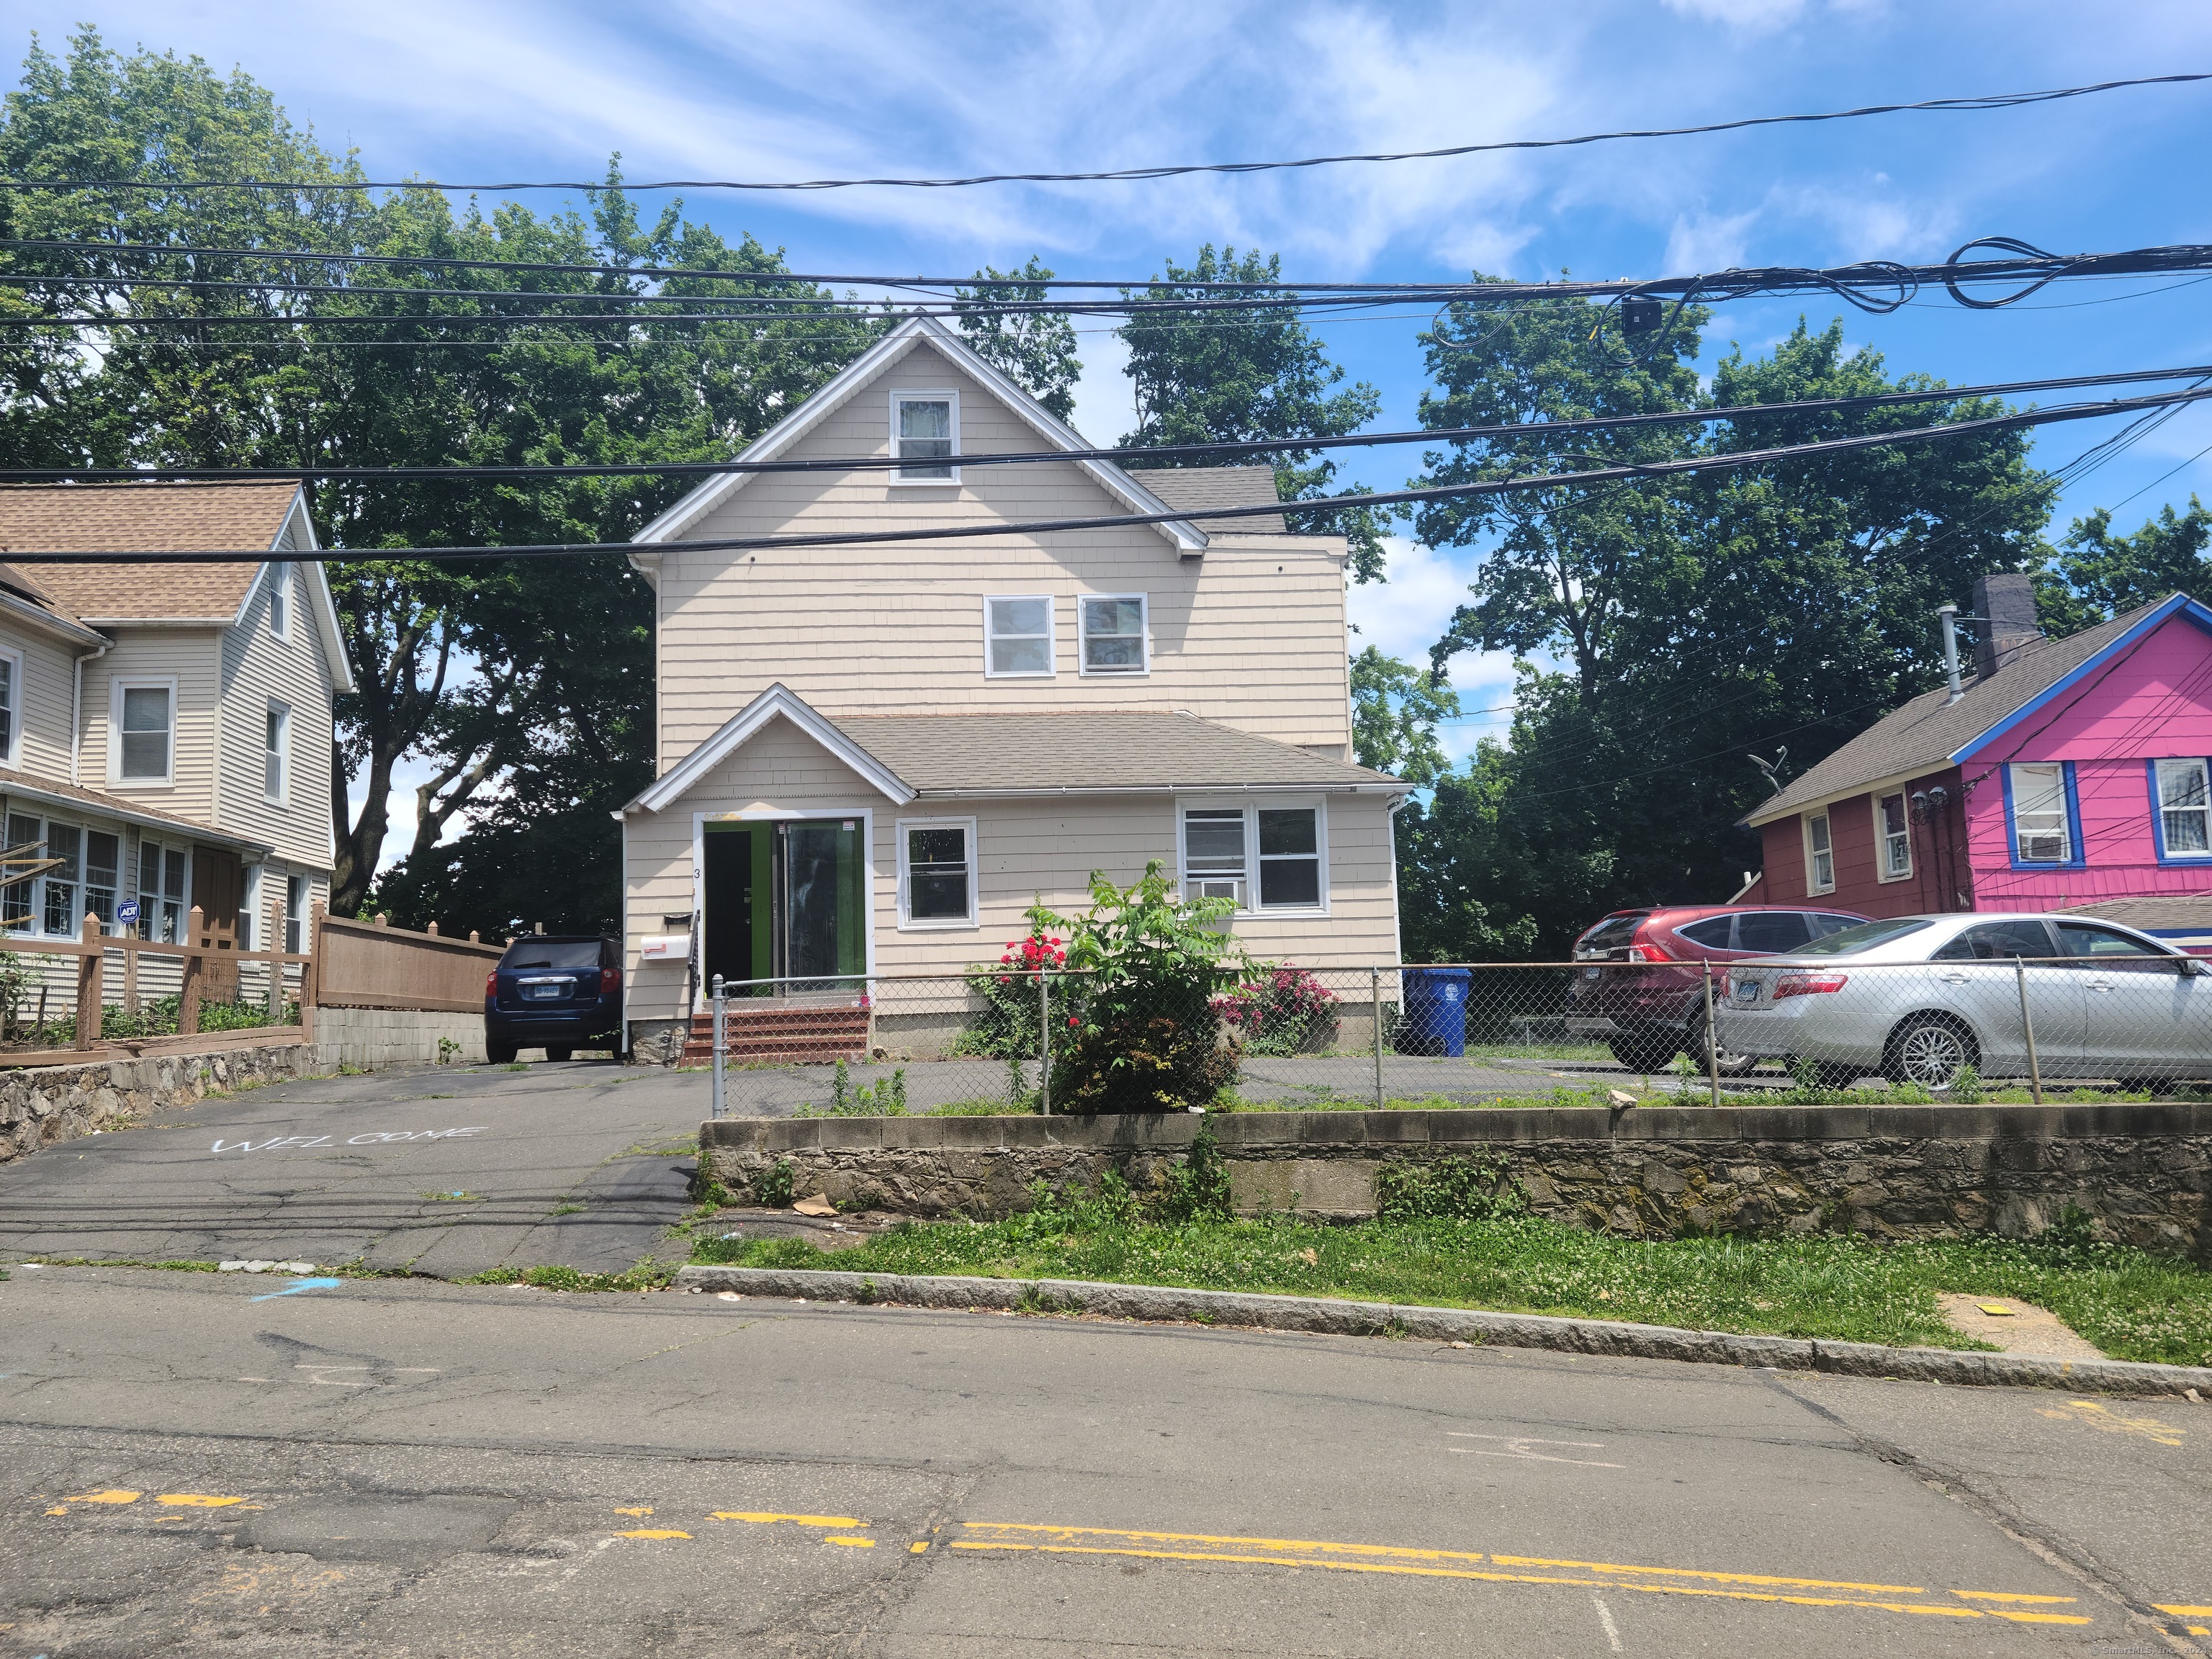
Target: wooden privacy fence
[(347, 964), (369, 964)]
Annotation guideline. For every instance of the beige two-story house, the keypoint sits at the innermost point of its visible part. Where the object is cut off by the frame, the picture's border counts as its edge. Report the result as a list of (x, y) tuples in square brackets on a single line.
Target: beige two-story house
[(873, 758), (165, 729)]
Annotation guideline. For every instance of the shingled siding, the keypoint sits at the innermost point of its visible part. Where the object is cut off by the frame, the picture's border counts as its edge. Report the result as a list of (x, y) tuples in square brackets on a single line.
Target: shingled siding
[(2143, 1172), (256, 666), (191, 657), (1253, 634)]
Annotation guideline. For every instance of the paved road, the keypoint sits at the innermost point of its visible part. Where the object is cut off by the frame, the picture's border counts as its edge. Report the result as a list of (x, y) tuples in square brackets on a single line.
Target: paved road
[(444, 1171), (193, 1463)]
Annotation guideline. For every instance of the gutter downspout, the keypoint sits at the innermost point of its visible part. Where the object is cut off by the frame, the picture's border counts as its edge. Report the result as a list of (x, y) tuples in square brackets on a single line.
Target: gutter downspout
[(1949, 613), (76, 712)]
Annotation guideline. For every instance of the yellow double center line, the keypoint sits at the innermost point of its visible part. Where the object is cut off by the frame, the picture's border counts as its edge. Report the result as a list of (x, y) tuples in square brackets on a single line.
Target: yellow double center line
[(1017, 1536)]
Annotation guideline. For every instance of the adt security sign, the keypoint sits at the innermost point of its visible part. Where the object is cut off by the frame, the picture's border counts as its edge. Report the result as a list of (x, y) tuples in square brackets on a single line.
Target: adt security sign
[(127, 911)]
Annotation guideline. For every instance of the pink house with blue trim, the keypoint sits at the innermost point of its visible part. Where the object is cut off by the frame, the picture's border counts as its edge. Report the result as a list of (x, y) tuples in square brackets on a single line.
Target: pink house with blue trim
[(2063, 774)]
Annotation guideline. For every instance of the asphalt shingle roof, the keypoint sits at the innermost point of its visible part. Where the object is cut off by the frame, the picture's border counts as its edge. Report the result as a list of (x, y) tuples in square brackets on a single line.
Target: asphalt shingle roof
[(1184, 487), (1108, 749), (143, 518), (1924, 734)]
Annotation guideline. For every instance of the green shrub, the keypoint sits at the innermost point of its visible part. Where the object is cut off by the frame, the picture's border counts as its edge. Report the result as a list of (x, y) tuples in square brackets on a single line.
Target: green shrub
[(773, 1185), (1285, 1011), (1966, 1087), (1448, 1188), (885, 1097)]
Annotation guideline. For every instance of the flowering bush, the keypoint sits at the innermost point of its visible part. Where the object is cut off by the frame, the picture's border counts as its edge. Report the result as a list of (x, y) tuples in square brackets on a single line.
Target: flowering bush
[(1285, 1012), (1004, 1025)]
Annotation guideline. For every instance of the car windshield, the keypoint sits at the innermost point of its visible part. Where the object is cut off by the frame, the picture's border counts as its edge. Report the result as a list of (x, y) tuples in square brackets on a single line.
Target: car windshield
[(1864, 937), (552, 953)]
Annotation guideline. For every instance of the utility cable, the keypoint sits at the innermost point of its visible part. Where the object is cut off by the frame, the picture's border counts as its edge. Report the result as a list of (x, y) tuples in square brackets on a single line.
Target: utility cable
[(1538, 431), (1728, 462), (1989, 101)]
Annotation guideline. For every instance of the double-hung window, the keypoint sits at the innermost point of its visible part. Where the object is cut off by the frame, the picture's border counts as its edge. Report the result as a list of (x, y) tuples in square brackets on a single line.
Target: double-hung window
[(295, 906), (64, 843), (280, 600), (926, 435), (1820, 855), (11, 692), (1894, 827), (2042, 831), (1017, 635), (145, 721), (1264, 857), (937, 873), (1113, 640), (161, 893), (2185, 809), (276, 750)]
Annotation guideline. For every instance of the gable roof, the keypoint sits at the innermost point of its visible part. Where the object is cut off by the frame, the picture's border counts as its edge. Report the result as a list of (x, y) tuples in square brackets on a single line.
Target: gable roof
[(1931, 731), (161, 518), (1182, 486), (1101, 752), (886, 352)]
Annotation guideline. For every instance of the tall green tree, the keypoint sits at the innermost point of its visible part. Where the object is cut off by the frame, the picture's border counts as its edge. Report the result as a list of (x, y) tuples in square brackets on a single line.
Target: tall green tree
[(1037, 348), (2096, 575), (524, 685), (1395, 709), (1237, 376), (1669, 628)]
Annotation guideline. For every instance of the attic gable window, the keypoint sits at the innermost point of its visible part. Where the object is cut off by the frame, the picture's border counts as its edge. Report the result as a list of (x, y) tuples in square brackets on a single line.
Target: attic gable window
[(925, 431), (280, 600), (1018, 632), (1113, 634)]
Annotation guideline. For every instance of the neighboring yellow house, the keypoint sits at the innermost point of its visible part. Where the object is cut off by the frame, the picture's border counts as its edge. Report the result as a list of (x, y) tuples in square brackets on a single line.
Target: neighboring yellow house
[(871, 759), (165, 729)]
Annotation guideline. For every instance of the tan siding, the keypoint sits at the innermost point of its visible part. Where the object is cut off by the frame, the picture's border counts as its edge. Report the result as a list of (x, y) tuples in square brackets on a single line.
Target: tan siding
[(1025, 850), (193, 657), (42, 704), (1252, 634), (257, 667)]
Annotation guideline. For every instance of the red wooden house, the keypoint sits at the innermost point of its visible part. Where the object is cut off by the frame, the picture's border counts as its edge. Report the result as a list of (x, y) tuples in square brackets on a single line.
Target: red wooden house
[(2065, 774)]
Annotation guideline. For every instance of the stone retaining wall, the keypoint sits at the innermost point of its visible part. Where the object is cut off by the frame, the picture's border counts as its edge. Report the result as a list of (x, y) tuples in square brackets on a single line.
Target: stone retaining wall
[(41, 1105), (2144, 1172)]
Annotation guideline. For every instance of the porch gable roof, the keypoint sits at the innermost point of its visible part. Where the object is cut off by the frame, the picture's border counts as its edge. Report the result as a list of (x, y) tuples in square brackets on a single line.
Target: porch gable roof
[(777, 702)]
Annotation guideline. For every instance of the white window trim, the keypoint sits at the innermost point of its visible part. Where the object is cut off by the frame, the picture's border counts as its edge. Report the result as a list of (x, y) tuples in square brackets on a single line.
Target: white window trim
[(907, 924), (1882, 838), (282, 710), (1252, 807), (281, 584), (116, 688), (951, 396), (1812, 886), (2014, 770), (2160, 808), (1083, 657), (1051, 670), (13, 755)]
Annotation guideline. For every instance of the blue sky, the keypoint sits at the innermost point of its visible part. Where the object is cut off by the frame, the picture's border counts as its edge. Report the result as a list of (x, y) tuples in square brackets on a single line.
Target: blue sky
[(466, 89)]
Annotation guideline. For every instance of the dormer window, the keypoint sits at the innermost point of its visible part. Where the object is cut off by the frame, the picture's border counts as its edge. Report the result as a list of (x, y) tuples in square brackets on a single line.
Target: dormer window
[(926, 433)]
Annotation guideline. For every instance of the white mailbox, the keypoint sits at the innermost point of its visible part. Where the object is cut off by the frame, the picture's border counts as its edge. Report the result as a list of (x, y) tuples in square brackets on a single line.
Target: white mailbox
[(665, 947)]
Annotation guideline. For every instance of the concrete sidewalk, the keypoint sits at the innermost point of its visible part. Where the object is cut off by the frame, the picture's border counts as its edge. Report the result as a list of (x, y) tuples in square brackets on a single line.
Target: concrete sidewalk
[(443, 1171)]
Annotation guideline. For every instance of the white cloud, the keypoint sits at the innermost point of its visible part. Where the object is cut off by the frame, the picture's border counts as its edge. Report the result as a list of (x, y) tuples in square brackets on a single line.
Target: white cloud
[(1753, 15), (1105, 397), (1704, 242)]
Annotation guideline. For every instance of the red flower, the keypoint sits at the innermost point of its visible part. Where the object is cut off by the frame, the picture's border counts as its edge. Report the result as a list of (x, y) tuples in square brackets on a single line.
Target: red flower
[(1073, 1022)]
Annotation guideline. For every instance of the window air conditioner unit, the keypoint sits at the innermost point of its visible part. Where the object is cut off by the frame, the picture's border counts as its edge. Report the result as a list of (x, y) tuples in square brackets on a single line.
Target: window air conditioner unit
[(1218, 887)]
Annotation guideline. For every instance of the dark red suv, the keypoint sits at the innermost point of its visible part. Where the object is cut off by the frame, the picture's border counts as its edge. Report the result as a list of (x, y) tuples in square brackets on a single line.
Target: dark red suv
[(1651, 1006)]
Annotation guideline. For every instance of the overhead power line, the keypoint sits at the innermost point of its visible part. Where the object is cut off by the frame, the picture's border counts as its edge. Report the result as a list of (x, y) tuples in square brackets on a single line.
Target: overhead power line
[(1638, 471), (1988, 102), (1539, 431), (1878, 286)]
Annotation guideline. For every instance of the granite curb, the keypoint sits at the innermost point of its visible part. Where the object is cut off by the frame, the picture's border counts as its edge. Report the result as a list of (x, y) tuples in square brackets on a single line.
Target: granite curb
[(1331, 1316)]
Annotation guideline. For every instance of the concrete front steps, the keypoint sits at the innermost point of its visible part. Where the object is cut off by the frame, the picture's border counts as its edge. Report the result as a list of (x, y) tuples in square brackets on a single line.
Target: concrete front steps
[(781, 1034)]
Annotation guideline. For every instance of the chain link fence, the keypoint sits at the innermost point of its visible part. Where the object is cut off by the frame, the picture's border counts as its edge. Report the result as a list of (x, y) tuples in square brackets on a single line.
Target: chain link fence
[(1397, 1035)]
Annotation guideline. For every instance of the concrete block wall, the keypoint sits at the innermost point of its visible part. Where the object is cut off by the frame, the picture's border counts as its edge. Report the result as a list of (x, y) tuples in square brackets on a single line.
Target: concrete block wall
[(376, 1037)]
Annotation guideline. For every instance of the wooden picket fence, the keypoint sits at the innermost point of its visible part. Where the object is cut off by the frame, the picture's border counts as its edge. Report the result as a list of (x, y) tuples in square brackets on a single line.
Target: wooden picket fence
[(347, 964)]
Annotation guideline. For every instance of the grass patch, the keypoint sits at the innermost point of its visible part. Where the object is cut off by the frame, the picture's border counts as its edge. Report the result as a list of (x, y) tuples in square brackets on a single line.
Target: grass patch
[(2132, 1305), (648, 1275)]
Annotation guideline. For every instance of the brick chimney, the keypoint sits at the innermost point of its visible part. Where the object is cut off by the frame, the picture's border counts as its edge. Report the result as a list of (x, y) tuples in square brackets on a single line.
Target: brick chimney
[(2006, 601)]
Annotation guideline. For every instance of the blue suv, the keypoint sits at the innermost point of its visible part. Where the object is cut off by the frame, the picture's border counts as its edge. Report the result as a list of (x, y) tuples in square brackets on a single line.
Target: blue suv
[(558, 992)]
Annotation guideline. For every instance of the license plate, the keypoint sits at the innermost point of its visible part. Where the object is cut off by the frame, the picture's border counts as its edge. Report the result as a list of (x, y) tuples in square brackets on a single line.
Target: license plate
[(1747, 992), (1592, 973), (547, 992)]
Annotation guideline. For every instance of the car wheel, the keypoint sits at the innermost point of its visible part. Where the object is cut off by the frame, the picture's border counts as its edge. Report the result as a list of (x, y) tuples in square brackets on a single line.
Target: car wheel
[(1931, 1050), (1642, 1051), (1727, 1065), (499, 1054), (558, 1054)]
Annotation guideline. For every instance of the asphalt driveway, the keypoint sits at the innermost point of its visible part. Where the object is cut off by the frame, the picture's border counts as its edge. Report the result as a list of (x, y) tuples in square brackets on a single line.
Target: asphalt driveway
[(442, 1170)]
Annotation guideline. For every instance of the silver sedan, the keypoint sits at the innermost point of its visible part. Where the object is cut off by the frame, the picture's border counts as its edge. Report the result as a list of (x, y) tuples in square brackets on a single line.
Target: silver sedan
[(1919, 998)]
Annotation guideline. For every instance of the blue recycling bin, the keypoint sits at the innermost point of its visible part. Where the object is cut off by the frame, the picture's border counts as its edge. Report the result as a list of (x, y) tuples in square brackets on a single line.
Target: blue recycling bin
[(1435, 1011)]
